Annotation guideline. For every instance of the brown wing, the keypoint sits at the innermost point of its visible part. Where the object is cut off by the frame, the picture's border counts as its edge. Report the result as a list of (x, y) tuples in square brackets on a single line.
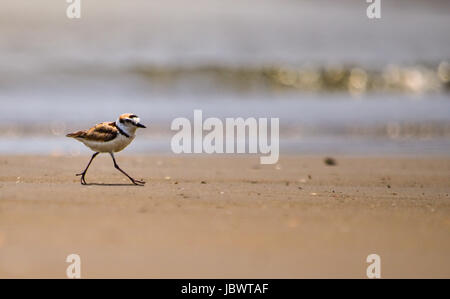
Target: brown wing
[(101, 132)]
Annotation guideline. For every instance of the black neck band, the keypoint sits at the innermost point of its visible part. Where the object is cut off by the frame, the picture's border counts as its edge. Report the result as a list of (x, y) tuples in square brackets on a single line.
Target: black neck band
[(122, 132)]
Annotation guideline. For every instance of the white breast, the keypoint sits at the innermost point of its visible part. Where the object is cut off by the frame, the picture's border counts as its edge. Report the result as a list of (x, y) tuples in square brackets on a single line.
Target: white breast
[(115, 145)]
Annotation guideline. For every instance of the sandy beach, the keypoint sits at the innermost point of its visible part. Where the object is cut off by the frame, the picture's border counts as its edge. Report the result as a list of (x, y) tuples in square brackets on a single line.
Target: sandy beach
[(219, 216)]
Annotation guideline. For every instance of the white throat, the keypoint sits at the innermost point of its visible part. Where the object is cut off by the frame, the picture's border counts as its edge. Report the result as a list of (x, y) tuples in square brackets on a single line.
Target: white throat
[(127, 129)]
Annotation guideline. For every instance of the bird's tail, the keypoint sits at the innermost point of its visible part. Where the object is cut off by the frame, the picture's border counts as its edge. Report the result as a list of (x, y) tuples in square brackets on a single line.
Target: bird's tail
[(79, 134)]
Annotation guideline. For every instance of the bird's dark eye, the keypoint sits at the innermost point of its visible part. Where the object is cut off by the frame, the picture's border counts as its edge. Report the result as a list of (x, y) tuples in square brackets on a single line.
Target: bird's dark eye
[(133, 116)]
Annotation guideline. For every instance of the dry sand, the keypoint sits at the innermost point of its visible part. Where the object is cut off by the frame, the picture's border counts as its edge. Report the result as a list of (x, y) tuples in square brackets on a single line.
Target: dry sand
[(298, 219)]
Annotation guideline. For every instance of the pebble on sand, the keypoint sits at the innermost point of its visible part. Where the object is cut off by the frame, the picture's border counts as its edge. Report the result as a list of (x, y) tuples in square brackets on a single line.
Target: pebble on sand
[(330, 161)]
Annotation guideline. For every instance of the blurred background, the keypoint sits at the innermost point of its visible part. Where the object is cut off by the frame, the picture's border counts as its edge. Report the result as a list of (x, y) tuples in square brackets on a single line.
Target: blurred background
[(339, 82)]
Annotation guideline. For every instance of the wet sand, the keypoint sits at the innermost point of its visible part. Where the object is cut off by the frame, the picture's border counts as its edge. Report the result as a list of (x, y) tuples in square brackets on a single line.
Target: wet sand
[(216, 217)]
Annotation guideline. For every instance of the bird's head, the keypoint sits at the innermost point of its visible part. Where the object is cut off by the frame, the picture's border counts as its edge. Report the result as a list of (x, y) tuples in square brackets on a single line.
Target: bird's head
[(130, 120)]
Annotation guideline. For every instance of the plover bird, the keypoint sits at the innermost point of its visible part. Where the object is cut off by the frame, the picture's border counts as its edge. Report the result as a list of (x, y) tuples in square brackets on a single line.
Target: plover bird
[(109, 137)]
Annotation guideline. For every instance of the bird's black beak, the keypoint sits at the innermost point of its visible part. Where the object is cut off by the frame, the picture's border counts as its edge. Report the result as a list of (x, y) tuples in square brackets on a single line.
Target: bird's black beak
[(139, 125)]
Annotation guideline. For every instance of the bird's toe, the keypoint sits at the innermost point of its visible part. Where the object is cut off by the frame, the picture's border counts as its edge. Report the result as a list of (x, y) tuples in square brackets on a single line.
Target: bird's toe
[(138, 182)]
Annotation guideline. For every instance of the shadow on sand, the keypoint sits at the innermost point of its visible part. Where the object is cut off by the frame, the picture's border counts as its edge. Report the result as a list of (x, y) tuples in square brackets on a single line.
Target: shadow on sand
[(105, 184)]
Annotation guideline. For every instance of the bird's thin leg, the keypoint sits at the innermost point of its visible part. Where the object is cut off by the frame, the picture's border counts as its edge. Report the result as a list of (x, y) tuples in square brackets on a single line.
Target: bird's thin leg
[(83, 181), (136, 182)]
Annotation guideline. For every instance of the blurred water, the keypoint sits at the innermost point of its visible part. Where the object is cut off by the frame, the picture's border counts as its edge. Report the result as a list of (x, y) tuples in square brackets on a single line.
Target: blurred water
[(376, 124), (338, 81)]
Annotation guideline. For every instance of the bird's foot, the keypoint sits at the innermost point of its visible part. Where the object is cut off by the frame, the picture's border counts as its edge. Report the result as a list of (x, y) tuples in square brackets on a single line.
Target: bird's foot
[(83, 181), (138, 182)]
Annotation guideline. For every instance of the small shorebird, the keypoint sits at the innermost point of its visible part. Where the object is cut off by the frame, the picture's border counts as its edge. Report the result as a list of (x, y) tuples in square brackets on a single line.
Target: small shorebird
[(109, 137)]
